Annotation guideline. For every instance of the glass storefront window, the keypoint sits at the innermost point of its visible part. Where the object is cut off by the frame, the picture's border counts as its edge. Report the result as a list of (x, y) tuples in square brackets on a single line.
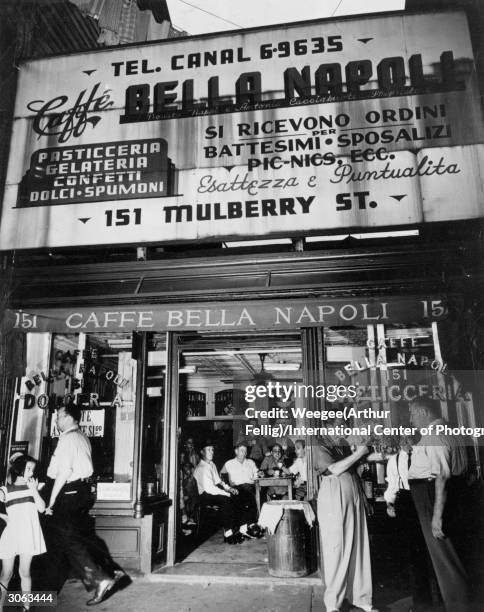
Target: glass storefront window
[(388, 365), (98, 372), (154, 416)]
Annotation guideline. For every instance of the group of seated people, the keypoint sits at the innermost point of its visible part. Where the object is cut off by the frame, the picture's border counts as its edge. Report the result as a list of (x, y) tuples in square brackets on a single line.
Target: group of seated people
[(233, 491)]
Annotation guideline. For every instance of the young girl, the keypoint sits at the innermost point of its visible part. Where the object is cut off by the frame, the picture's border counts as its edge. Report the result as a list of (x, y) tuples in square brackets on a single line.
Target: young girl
[(23, 535)]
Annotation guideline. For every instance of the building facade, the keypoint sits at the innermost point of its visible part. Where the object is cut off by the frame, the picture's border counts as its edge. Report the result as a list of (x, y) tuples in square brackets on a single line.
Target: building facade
[(298, 204)]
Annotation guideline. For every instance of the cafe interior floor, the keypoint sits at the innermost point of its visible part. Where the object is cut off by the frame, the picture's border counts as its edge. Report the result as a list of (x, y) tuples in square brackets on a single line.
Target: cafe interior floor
[(219, 561)]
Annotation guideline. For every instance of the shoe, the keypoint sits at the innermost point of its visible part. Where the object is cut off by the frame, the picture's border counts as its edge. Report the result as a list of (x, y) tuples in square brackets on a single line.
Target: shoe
[(253, 532), (121, 579), (190, 523), (235, 538), (102, 590), (256, 530)]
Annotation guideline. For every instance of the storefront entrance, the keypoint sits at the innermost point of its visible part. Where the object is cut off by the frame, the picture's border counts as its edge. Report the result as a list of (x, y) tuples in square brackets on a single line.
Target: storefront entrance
[(150, 399), (217, 405)]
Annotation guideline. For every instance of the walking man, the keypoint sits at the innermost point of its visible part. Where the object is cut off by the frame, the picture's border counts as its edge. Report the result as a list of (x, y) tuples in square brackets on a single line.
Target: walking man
[(71, 536)]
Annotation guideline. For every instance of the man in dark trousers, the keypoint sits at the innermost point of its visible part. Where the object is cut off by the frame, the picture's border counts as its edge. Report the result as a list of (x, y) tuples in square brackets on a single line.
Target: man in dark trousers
[(437, 480), (241, 474), (400, 506), (213, 490), (70, 534)]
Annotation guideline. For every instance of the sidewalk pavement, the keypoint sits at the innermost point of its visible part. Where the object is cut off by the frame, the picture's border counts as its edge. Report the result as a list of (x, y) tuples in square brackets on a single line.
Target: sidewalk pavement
[(148, 595)]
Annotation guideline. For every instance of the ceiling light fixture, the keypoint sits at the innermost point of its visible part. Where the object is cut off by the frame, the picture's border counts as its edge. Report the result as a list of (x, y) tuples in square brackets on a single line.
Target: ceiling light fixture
[(276, 367), (188, 370)]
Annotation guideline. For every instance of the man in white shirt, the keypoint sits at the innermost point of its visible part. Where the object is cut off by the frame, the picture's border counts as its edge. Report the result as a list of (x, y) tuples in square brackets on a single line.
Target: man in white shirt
[(257, 446), (213, 491), (300, 470), (400, 506), (438, 467), (242, 474), (240, 470), (73, 542)]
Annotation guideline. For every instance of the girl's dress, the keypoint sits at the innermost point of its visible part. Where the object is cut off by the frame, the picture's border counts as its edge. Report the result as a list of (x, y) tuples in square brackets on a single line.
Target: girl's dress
[(23, 534)]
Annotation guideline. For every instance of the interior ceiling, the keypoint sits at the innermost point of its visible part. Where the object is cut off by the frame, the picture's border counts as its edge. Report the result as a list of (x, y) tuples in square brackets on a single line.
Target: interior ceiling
[(243, 364), (237, 356)]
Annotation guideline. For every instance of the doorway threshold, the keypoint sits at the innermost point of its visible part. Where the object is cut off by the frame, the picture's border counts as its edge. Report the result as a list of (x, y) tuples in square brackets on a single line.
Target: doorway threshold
[(212, 561), (226, 573)]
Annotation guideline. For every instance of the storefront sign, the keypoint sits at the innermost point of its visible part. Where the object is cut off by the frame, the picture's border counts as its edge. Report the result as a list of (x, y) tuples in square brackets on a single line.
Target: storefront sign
[(112, 171), (19, 447), (263, 314), (113, 490), (91, 424), (333, 124)]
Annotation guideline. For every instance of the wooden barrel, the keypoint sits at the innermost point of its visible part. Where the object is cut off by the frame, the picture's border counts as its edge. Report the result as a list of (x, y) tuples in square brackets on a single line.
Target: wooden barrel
[(288, 546)]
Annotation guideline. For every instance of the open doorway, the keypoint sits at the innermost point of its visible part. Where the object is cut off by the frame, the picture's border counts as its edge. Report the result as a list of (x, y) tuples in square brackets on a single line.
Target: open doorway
[(215, 373)]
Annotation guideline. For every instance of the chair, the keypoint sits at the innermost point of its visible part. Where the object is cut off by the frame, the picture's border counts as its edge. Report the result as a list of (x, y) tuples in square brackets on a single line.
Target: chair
[(206, 515)]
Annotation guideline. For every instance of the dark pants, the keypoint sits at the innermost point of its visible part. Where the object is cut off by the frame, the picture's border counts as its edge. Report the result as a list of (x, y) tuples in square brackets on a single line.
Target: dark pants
[(245, 504), (449, 571), (71, 540), (413, 550), (227, 509)]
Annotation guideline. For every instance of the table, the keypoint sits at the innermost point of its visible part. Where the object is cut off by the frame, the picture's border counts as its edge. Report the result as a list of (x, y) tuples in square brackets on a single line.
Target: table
[(271, 481)]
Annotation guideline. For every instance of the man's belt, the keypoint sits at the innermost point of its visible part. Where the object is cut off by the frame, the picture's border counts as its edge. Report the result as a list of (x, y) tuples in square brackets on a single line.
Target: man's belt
[(69, 486), (420, 480)]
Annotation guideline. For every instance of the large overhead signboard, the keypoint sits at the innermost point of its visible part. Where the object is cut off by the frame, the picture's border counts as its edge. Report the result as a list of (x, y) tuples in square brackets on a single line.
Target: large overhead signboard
[(304, 128)]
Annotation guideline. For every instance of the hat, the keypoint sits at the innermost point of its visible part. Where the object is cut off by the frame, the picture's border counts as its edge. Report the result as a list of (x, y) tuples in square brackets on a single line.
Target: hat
[(207, 443)]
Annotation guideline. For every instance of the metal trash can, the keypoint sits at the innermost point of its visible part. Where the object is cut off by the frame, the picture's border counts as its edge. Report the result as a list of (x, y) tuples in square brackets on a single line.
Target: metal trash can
[(289, 546)]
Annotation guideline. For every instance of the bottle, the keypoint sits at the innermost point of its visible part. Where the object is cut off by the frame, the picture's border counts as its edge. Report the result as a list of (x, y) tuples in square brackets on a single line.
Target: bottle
[(380, 473), (367, 480)]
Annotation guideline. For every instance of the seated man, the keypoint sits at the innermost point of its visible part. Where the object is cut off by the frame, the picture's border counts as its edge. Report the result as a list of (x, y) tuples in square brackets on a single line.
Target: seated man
[(242, 473), (273, 465), (213, 491), (299, 469), (257, 447), (286, 444)]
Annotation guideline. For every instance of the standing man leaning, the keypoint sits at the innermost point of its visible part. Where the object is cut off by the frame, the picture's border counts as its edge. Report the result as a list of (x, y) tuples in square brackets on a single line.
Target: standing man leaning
[(72, 539), (435, 475)]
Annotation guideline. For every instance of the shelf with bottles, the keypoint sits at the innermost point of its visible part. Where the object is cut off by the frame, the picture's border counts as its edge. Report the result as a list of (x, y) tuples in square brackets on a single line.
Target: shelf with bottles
[(214, 401)]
